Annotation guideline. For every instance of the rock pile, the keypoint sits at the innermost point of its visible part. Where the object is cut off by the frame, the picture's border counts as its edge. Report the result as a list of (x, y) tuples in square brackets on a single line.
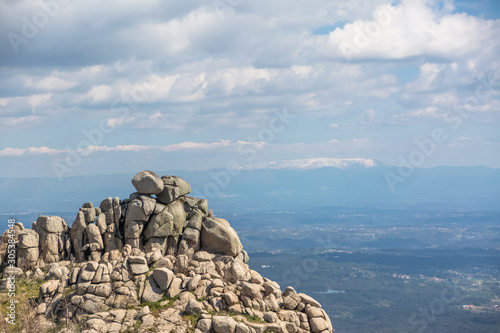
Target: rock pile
[(158, 248)]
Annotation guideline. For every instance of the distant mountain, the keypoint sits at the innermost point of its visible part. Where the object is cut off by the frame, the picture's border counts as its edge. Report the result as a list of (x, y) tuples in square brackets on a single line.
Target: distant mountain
[(289, 185), (315, 163)]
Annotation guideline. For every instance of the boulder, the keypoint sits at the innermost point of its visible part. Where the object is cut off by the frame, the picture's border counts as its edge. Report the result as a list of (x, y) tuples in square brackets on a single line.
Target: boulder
[(138, 212), (27, 252), (222, 324), (51, 224), (152, 292), (163, 277), (218, 237), (173, 188), (137, 265), (193, 307), (160, 225), (100, 222), (28, 238), (147, 182), (77, 229), (309, 300)]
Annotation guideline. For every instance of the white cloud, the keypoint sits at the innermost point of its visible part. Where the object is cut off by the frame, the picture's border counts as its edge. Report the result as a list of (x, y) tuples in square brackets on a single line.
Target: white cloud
[(430, 111), (189, 74), (413, 28), (29, 151), (99, 93), (52, 83), (37, 100), (19, 122), (196, 146)]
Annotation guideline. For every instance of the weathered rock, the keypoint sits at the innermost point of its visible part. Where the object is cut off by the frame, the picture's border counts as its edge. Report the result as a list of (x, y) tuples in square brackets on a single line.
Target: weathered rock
[(195, 219), (137, 265), (160, 225), (223, 324), (163, 277), (203, 256), (318, 324), (100, 222), (49, 288), (27, 252), (190, 240), (175, 288), (77, 229), (195, 203), (51, 224), (89, 214), (235, 271), (147, 182), (173, 187), (51, 241), (217, 236), (252, 290), (204, 325), (193, 307), (309, 300), (95, 243), (214, 279), (28, 238), (230, 298), (152, 292)]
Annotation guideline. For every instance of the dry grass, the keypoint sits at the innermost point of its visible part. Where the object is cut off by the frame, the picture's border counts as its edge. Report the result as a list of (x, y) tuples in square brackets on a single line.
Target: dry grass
[(25, 299)]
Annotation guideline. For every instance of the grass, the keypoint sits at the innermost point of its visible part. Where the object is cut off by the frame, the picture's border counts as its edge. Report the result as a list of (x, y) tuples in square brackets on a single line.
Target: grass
[(252, 319), (194, 318), (155, 307), (25, 298)]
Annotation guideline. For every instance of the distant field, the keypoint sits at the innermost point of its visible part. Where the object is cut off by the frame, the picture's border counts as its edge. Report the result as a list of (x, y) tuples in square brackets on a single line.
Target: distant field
[(379, 291)]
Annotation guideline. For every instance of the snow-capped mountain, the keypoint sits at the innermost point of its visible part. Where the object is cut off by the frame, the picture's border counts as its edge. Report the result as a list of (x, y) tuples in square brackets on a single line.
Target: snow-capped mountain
[(315, 163)]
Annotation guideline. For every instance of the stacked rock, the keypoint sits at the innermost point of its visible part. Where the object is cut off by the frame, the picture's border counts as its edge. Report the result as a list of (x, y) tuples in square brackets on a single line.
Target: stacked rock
[(28, 253), (54, 241), (158, 246)]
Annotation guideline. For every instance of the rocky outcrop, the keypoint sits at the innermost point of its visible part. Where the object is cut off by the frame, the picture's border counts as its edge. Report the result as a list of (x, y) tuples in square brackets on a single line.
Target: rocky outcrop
[(54, 240), (167, 251)]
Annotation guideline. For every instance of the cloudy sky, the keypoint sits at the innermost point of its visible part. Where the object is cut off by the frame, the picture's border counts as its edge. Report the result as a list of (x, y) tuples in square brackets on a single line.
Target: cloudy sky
[(118, 86)]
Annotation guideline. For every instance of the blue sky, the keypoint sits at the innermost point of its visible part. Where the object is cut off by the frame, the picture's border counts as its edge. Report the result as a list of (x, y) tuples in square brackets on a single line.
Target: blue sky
[(87, 88)]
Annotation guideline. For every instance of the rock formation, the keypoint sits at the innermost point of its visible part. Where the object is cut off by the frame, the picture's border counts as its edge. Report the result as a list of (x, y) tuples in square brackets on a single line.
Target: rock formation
[(157, 248)]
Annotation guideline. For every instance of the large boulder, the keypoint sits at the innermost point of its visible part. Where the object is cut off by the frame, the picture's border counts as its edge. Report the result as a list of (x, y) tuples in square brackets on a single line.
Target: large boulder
[(77, 235), (139, 210), (27, 253), (52, 224), (173, 188), (218, 237), (52, 238), (152, 292), (167, 225), (223, 324), (147, 182)]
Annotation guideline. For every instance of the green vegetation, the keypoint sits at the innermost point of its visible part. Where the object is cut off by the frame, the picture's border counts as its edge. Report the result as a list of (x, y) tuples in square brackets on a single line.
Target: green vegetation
[(156, 306), (25, 298), (252, 319), (194, 318)]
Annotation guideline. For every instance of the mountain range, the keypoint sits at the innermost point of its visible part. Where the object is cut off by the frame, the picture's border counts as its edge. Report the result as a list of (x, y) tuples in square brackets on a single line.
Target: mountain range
[(285, 185)]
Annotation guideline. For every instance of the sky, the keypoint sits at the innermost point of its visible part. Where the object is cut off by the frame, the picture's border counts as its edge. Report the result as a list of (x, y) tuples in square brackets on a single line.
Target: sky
[(93, 88)]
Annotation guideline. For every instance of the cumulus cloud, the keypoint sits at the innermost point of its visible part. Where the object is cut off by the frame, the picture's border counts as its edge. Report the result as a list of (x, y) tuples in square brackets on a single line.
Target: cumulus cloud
[(411, 29), (190, 70)]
